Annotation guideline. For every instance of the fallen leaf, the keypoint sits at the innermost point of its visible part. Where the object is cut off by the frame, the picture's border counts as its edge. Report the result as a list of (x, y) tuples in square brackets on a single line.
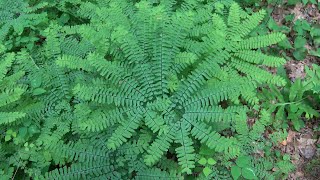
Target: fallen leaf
[(297, 12), (306, 147), (284, 142), (291, 136)]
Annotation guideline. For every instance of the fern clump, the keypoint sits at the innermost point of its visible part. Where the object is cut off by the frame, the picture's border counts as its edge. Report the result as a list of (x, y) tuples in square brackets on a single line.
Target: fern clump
[(134, 89), (156, 83)]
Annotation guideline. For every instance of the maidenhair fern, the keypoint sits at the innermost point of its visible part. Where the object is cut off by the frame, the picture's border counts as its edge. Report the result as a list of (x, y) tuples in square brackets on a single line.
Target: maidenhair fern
[(131, 89)]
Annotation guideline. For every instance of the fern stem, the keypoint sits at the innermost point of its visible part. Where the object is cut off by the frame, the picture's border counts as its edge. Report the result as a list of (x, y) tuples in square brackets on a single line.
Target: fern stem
[(288, 103)]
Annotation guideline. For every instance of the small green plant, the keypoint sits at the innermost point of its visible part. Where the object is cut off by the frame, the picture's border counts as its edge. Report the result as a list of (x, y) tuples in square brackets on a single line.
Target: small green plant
[(207, 163), (243, 168), (292, 102)]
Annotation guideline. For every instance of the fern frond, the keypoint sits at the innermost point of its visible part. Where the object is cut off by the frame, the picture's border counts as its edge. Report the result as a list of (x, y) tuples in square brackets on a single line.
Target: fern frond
[(81, 151), (128, 44), (155, 174), (212, 113), (118, 89), (234, 17), (185, 153), (196, 80), (102, 119), (260, 75), (259, 126), (158, 147), (261, 41), (73, 62), (250, 23), (81, 170), (185, 58), (214, 140), (216, 94), (10, 117), (188, 5), (124, 131), (155, 122), (259, 58), (111, 70), (52, 46), (10, 95), (71, 46), (143, 23), (107, 95), (5, 64)]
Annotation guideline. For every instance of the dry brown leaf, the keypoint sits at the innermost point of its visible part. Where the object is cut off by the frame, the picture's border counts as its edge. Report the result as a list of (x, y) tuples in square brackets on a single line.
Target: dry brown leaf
[(284, 143), (291, 136), (297, 12)]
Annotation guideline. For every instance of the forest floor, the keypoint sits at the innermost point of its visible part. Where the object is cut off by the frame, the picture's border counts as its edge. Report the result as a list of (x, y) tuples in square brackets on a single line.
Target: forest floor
[(303, 145)]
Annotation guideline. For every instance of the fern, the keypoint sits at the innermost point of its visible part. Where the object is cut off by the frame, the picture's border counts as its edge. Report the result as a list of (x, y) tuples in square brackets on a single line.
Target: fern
[(162, 54), (9, 93), (131, 89)]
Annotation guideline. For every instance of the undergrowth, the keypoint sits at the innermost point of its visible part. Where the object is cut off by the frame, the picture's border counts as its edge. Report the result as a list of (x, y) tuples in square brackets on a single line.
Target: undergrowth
[(144, 89)]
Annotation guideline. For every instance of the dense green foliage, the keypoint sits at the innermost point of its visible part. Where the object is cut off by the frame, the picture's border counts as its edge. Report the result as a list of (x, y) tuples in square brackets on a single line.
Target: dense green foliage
[(117, 89)]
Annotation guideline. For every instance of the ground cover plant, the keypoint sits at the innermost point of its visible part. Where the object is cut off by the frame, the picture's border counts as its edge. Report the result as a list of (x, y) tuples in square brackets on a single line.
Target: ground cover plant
[(150, 89)]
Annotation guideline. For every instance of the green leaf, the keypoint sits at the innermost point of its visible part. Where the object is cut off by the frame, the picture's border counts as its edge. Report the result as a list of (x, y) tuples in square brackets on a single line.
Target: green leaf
[(204, 150), (300, 54), (47, 156), (289, 17), (297, 124), (14, 134), (307, 115), (64, 18), (286, 157), (305, 25), (211, 161), (202, 161), (9, 131), (207, 171), (316, 40), (7, 138), (293, 2), (248, 173), (23, 131), (294, 89), (315, 32), (235, 172), (273, 25), (293, 108), (285, 44), (38, 91), (300, 42), (36, 82), (243, 161), (33, 129), (280, 113), (315, 53), (305, 2)]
